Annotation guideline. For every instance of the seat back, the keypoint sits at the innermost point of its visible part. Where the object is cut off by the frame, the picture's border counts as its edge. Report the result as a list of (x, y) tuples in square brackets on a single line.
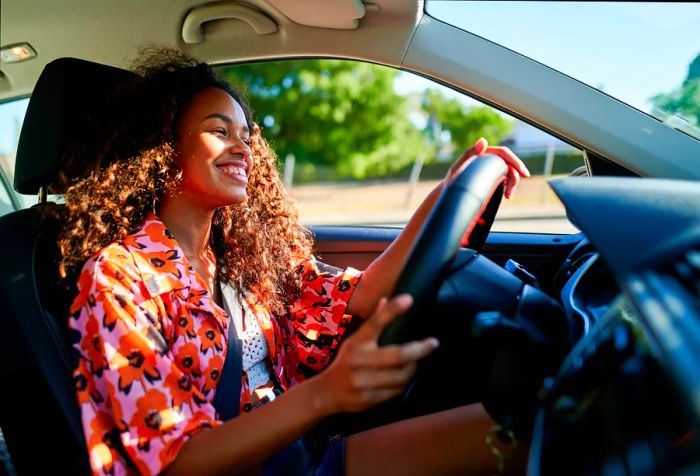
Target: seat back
[(39, 415)]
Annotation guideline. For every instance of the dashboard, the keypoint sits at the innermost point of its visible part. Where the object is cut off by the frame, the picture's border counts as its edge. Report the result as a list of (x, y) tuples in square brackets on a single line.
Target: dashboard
[(626, 399)]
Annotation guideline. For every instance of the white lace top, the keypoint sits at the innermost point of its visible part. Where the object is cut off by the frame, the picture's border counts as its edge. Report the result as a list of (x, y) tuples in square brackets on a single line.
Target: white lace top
[(253, 344)]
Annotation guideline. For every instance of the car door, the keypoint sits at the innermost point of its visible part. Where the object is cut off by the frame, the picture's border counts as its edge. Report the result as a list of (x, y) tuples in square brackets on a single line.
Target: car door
[(541, 254)]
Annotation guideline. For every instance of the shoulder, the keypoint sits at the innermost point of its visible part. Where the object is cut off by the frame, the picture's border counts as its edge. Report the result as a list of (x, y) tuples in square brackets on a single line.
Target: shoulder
[(323, 281), (310, 269), (145, 263), (110, 269)]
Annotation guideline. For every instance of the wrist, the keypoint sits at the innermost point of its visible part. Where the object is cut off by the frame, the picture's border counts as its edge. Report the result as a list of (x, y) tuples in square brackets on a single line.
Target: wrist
[(321, 397)]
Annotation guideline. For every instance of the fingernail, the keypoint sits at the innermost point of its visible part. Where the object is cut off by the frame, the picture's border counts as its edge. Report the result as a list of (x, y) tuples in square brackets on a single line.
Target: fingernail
[(434, 343)]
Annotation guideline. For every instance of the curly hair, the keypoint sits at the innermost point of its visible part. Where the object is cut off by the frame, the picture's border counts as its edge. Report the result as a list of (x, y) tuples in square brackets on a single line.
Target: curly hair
[(256, 242)]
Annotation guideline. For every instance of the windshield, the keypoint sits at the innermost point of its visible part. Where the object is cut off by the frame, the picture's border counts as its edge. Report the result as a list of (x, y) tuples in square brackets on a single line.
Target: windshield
[(644, 54)]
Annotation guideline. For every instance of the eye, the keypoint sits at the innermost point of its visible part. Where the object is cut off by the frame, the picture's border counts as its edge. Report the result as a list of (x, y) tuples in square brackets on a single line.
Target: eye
[(220, 132)]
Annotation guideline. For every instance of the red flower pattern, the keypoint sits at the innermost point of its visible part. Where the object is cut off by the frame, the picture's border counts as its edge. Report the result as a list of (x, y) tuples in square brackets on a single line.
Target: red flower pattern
[(152, 346)]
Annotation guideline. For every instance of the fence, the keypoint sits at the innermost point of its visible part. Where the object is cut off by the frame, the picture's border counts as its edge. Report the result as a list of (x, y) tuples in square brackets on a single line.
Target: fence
[(546, 161)]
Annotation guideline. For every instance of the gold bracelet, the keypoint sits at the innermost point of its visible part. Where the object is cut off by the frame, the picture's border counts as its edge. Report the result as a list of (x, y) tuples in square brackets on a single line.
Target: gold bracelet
[(496, 432)]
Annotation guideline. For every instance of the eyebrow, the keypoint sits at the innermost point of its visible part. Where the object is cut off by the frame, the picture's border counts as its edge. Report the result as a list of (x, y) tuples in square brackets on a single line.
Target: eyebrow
[(219, 116), (225, 119)]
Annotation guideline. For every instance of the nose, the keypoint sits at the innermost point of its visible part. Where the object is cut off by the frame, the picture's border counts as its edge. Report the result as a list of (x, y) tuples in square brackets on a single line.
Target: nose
[(238, 146)]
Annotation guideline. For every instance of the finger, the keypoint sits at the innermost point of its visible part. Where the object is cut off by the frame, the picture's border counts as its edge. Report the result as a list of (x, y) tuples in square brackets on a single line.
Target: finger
[(379, 395), (365, 331), (512, 182), (511, 159), (479, 148), (416, 350), (386, 312), (385, 378), (382, 357), (395, 355)]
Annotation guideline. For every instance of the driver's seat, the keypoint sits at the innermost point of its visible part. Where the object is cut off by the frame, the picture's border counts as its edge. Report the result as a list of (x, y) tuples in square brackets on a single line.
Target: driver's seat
[(39, 416)]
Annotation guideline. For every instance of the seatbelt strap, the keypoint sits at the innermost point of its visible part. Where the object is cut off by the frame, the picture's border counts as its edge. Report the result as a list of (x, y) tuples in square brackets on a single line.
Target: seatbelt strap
[(228, 391), (294, 459)]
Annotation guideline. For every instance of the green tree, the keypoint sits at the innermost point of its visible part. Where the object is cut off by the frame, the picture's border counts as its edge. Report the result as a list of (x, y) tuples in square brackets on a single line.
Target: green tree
[(332, 112), (347, 115), (465, 124), (685, 100), (694, 69)]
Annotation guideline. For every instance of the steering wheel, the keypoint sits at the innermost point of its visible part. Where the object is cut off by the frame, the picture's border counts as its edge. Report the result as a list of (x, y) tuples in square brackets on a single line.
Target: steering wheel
[(465, 209)]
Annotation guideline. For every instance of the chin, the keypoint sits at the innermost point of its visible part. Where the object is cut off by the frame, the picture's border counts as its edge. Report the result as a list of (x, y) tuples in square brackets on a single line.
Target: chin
[(234, 200)]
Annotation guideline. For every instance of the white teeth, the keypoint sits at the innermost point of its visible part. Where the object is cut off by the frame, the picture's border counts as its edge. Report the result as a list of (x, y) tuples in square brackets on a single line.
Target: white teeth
[(233, 170)]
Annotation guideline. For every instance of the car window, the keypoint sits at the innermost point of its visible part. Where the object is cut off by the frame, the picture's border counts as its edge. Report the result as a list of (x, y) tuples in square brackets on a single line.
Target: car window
[(363, 144), (11, 118), (647, 54), (6, 203)]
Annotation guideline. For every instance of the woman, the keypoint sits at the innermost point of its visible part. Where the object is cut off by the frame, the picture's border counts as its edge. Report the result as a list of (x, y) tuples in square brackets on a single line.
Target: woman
[(183, 229)]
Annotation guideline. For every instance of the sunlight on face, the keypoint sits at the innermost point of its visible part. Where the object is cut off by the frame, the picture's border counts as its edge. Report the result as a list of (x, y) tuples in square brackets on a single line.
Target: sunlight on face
[(213, 151)]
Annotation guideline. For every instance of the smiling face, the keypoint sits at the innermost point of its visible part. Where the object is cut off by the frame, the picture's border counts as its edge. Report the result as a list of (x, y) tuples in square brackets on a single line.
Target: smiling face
[(213, 150)]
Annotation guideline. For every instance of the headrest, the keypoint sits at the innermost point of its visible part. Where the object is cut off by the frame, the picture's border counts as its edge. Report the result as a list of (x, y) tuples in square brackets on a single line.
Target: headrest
[(68, 95)]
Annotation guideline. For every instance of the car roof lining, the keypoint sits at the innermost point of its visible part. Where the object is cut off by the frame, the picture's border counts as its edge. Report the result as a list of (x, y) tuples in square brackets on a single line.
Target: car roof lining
[(382, 36), (339, 14)]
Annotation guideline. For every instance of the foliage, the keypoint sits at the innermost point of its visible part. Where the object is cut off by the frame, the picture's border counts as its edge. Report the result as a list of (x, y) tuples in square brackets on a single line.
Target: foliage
[(685, 100), (694, 69), (464, 124), (346, 114)]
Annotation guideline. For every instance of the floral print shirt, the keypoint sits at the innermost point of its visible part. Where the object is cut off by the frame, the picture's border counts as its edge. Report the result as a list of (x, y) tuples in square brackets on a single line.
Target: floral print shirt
[(151, 344)]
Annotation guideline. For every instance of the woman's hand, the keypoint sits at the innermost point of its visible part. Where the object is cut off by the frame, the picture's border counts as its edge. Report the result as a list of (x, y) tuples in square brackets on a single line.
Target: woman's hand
[(364, 374), (516, 167)]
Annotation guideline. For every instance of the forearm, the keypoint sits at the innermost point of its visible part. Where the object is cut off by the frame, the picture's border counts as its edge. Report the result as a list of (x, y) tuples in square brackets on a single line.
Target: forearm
[(248, 440), (379, 279)]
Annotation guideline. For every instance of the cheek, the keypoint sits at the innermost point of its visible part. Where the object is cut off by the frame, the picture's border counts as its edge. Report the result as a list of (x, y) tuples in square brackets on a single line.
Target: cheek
[(195, 152), (203, 146), (211, 146)]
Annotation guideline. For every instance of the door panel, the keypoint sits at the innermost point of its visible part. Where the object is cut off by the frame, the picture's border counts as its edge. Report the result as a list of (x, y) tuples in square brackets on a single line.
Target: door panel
[(541, 254)]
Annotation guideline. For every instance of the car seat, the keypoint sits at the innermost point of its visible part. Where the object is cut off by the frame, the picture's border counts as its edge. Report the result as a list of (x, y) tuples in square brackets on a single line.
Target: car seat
[(39, 415)]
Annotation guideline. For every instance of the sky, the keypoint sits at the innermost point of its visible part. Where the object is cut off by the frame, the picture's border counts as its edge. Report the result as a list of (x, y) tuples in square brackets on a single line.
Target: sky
[(631, 51)]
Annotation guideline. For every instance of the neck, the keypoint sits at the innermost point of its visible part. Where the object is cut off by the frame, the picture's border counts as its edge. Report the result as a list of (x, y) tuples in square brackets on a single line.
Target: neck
[(190, 225)]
